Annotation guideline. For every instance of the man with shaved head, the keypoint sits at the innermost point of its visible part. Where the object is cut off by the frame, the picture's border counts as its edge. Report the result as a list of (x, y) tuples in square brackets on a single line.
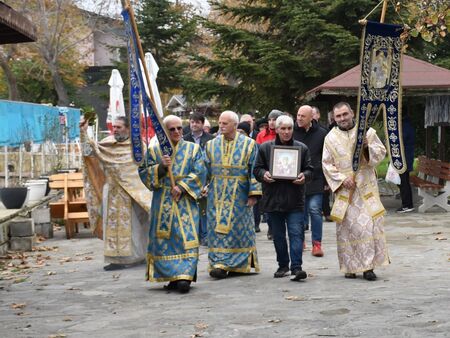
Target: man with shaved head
[(233, 191), (308, 131), (172, 254)]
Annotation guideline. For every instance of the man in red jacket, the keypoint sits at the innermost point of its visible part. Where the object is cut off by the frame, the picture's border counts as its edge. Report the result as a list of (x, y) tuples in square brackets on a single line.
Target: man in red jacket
[(269, 134)]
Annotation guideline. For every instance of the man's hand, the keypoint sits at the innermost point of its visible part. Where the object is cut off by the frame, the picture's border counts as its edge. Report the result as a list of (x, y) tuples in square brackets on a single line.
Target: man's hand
[(251, 201), (204, 191), (83, 124), (166, 161), (300, 179), (365, 142), (176, 193), (349, 183), (268, 178)]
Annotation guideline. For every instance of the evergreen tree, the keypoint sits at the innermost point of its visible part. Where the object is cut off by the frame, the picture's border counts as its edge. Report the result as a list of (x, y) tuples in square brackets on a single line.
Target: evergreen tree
[(270, 52), (166, 30)]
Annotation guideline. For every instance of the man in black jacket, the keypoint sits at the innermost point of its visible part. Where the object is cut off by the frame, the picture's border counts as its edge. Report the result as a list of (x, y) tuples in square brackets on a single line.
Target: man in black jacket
[(197, 135), (283, 199), (311, 133)]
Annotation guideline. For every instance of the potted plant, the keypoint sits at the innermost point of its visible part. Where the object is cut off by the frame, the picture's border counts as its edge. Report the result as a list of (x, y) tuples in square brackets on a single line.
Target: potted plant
[(14, 196)]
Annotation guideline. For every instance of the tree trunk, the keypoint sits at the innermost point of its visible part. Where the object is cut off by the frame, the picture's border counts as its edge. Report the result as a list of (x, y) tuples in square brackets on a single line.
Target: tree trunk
[(11, 81), (63, 97)]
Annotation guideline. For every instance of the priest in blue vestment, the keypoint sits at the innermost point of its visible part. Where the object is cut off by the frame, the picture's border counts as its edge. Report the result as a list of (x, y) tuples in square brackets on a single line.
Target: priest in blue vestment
[(232, 192), (172, 253)]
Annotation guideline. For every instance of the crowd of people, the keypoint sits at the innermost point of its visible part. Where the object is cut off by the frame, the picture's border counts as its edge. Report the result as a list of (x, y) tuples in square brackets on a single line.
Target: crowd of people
[(215, 189)]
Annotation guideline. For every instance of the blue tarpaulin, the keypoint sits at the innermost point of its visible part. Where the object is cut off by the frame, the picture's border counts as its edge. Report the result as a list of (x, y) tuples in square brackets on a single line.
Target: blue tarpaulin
[(21, 121)]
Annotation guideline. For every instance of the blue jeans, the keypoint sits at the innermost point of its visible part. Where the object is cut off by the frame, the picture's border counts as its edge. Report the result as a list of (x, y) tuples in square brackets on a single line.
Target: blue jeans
[(293, 221), (313, 209)]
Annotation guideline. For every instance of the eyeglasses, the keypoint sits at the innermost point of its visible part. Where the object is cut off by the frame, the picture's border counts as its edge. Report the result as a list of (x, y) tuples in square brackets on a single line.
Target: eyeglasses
[(175, 128)]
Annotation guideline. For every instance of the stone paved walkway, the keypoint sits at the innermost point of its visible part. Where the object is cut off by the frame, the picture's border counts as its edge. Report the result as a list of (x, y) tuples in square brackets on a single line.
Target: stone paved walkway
[(71, 295)]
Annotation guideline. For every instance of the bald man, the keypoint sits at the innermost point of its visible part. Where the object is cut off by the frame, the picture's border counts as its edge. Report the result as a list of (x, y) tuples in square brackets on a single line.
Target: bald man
[(308, 131), (233, 191)]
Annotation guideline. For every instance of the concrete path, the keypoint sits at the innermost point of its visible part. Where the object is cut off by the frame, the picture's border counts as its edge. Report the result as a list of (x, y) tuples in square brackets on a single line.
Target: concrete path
[(67, 293)]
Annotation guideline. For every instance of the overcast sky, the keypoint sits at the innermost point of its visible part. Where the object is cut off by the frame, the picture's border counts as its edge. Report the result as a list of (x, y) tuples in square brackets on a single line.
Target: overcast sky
[(115, 5)]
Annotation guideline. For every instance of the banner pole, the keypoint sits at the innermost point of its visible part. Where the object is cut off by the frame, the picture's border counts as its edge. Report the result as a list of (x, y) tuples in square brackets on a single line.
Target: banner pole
[(383, 11)]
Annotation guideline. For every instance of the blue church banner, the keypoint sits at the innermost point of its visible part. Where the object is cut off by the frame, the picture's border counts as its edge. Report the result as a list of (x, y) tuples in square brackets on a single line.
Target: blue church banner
[(380, 89), (138, 92)]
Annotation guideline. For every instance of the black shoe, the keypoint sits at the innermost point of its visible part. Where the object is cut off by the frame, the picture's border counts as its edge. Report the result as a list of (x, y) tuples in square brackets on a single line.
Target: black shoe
[(299, 274), (350, 275), (306, 227), (218, 273), (184, 286), (369, 275), (281, 272), (257, 229), (112, 267), (173, 285), (404, 210)]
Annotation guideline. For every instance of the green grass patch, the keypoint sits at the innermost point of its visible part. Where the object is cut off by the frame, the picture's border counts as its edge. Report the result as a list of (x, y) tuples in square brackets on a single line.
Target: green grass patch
[(383, 167)]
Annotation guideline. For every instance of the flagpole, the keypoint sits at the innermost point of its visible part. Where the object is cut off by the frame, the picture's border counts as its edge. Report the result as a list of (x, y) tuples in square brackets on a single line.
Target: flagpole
[(126, 5), (383, 11)]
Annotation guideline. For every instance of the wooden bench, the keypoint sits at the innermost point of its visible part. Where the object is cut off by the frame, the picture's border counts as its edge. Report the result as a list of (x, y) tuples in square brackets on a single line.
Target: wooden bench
[(433, 181), (72, 208)]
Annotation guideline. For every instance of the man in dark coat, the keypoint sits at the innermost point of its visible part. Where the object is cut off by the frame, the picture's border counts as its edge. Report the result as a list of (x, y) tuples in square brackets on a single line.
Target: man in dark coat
[(283, 199), (196, 134), (405, 186), (308, 131)]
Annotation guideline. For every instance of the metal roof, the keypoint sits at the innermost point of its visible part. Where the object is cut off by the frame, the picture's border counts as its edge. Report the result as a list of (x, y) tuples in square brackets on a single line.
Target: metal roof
[(417, 77), (14, 27)]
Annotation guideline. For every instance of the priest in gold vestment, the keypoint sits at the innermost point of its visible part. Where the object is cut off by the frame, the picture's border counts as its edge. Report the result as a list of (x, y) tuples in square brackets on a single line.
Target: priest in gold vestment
[(357, 210), (118, 203)]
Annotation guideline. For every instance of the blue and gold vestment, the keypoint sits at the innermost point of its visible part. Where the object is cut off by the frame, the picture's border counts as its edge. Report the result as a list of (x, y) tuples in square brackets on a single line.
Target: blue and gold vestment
[(173, 241), (231, 229)]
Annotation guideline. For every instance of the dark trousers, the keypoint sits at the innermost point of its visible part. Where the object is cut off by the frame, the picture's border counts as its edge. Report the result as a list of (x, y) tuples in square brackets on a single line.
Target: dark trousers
[(326, 203), (256, 215), (405, 191)]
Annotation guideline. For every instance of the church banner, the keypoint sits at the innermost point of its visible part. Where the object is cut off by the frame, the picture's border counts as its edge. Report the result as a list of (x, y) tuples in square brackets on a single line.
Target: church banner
[(380, 89), (138, 93)]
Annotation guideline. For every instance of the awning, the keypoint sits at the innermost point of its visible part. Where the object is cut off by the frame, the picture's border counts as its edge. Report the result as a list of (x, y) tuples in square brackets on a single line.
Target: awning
[(14, 27), (418, 78)]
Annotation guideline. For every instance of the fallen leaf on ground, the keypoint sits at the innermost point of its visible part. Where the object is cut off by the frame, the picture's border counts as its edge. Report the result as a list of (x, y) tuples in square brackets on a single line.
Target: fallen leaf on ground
[(197, 334), (88, 258), (51, 273), (58, 335), (274, 320), (18, 305), (201, 326), (441, 238), (72, 288), (65, 260), (67, 319), (20, 280), (294, 298), (84, 253)]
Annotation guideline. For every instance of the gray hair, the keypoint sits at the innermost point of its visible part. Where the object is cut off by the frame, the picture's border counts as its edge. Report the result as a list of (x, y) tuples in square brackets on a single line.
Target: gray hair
[(284, 119), (124, 120), (233, 116), (169, 118), (246, 118)]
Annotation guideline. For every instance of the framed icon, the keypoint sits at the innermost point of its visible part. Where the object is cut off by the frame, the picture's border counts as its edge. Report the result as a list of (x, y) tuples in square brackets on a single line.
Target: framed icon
[(285, 162)]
